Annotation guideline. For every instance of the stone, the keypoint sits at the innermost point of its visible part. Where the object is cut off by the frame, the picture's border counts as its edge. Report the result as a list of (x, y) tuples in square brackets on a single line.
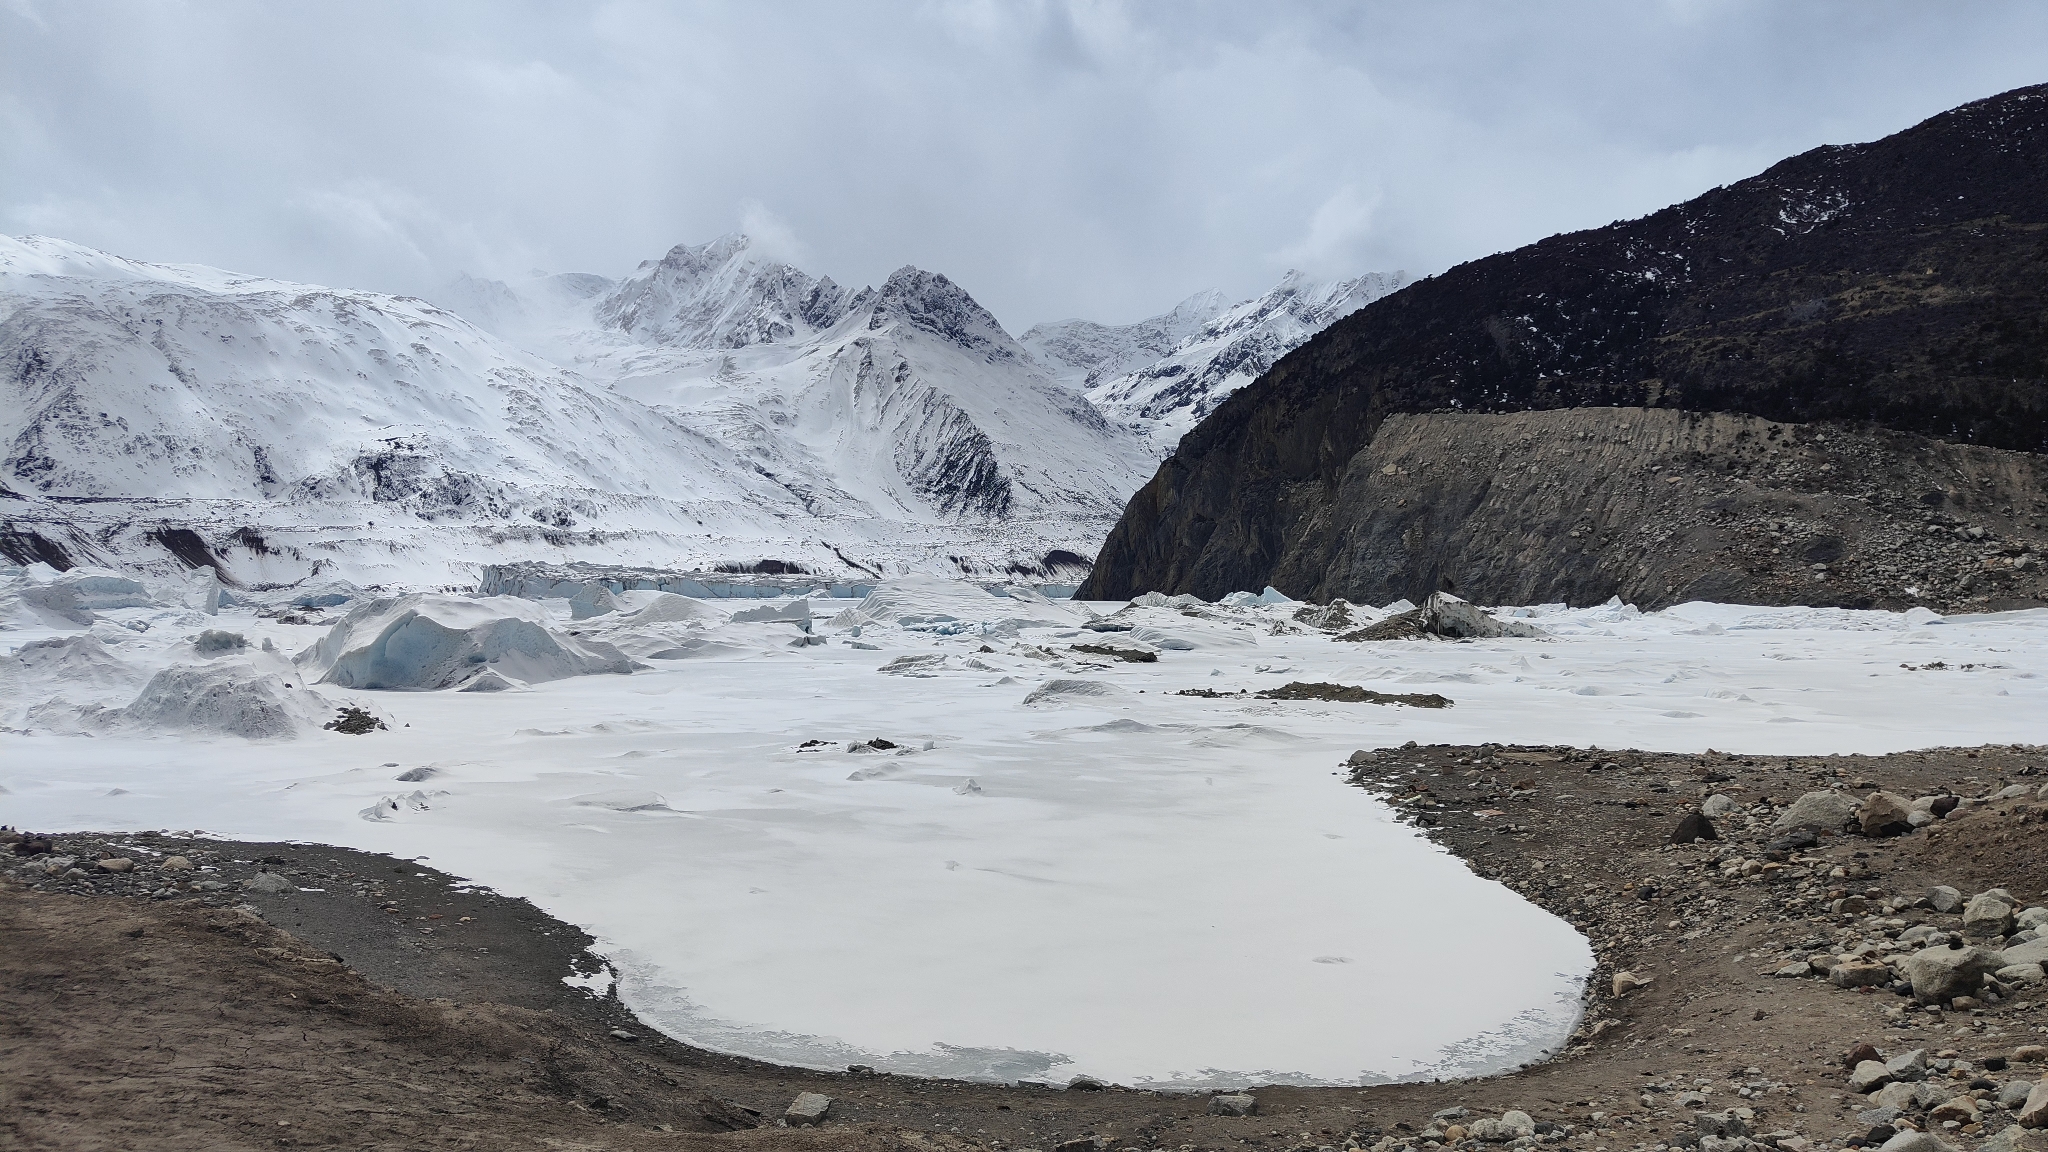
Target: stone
[(2033, 1111), (622, 1034), (1960, 1109), (1868, 1076), (1941, 973), (1510, 1126), (1884, 814), (1986, 916), (1883, 1114), (1717, 805), (1233, 1104), (1085, 1144), (1911, 1141), (1830, 810), (2013, 1138), (1692, 1100), (1720, 1124), (1899, 1096), (1944, 898), (117, 864), (1454, 1133), (2033, 917), (2022, 974), (1859, 975), (1626, 982), (178, 864), (1908, 1066), (1858, 1054), (1521, 1122), (1725, 1144), (809, 1108), (2013, 1093), (1453, 1113), (1694, 827), (2028, 952), (2029, 1054)]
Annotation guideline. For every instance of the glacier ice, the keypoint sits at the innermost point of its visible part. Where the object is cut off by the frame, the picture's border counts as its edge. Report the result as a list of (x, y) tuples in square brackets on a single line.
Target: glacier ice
[(425, 642)]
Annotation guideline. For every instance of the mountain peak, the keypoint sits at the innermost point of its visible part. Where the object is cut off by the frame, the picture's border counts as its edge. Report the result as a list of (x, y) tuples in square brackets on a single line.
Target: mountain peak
[(934, 304), (720, 295)]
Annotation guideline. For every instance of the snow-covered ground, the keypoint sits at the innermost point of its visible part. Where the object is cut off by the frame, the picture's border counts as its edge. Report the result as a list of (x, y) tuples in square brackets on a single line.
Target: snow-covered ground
[(1062, 868)]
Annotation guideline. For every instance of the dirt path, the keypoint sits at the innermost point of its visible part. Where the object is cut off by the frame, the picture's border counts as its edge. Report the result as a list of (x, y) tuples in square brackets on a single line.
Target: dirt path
[(181, 1022)]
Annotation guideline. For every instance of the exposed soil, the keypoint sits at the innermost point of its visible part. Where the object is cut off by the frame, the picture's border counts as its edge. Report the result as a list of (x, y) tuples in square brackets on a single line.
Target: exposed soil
[(174, 1022)]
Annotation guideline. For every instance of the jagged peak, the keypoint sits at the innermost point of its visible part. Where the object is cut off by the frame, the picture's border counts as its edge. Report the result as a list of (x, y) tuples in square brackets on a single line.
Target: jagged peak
[(720, 294), (931, 302)]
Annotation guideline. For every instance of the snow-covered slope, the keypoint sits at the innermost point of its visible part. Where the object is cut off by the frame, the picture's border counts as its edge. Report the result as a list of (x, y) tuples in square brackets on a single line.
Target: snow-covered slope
[(1213, 352), (287, 428), (1082, 353)]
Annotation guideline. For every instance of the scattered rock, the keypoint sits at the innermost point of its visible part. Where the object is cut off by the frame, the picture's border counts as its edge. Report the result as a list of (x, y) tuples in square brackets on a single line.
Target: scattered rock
[(178, 864), (269, 882), (1626, 982), (1717, 805), (809, 1108), (1859, 975), (1884, 814), (1868, 1076), (1944, 898), (2022, 974), (2033, 1113), (1233, 1104), (1941, 973), (117, 864), (1908, 1066), (2029, 1054), (1960, 1109), (1829, 810), (1695, 826), (1720, 1124), (1985, 916), (1911, 1141), (622, 1034), (1858, 1055), (2014, 1093)]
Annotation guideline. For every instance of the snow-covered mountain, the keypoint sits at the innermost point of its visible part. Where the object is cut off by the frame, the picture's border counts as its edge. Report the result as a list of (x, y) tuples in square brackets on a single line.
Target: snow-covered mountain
[(1161, 376), (713, 408)]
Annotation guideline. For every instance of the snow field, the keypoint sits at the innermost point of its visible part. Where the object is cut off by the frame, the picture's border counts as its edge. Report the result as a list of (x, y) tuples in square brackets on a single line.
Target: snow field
[(1138, 886)]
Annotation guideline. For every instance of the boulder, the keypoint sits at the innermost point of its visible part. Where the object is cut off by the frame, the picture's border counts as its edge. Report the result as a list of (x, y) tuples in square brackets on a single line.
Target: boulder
[(1859, 975), (269, 882), (2029, 952), (808, 1108), (2033, 1112), (1944, 898), (1911, 1141), (1985, 916), (1717, 805), (1626, 982), (2013, 1093), (1695, 826), (1941, 973), (1895, 1096), (1233, 1104), (1884, 814), (1447, 615), (1868, 1076), (1960, 1109), (1908, 1066), (117, 864), (177, 864), (1720, 1124), (2022, 974), (1818, 810)]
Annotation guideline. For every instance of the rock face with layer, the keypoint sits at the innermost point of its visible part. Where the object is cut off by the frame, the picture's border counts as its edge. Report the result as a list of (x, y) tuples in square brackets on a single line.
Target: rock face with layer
[(1897, 284)]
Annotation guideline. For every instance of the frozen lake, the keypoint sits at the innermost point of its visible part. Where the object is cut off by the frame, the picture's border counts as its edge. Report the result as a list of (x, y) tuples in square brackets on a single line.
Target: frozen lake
[(1139, 886)]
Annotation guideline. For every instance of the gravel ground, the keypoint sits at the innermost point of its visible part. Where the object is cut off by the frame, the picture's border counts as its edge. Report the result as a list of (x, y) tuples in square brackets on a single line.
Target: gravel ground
[(382, 1004)]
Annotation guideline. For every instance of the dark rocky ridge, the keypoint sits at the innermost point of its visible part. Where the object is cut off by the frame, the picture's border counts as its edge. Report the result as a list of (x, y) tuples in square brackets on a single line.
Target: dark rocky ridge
[(1659, 507), (1901, 285)]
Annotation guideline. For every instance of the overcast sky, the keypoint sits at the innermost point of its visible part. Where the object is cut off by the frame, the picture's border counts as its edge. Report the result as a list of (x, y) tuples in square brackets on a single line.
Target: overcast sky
[(1056, 159)]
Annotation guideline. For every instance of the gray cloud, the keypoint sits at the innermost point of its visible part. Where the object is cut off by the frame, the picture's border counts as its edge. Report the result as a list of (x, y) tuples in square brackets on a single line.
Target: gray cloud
[(1058, 159)]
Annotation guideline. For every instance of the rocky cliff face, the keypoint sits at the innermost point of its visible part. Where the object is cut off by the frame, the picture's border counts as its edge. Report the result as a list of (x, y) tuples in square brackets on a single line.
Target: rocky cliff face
[(1900, 285), (1659, 507)]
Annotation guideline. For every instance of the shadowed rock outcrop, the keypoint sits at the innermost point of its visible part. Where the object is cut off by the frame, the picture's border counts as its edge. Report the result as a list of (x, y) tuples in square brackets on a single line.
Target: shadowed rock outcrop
[(1899, 286)]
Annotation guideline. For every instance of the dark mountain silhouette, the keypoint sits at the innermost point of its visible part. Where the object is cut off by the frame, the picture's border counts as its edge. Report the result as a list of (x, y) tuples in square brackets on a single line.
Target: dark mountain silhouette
[(1899, 285)]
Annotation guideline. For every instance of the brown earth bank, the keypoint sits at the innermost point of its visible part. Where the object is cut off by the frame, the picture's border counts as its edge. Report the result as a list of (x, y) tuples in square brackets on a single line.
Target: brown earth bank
[(384, 1004)]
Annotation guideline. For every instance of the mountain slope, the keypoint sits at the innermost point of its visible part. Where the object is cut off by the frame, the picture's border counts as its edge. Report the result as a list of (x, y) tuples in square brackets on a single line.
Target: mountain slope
[(277, 429), (1166, 398), (1902, 283)]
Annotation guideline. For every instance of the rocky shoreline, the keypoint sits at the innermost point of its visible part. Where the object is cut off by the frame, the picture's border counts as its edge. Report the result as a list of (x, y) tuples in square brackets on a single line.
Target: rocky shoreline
[(1747, 986)]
